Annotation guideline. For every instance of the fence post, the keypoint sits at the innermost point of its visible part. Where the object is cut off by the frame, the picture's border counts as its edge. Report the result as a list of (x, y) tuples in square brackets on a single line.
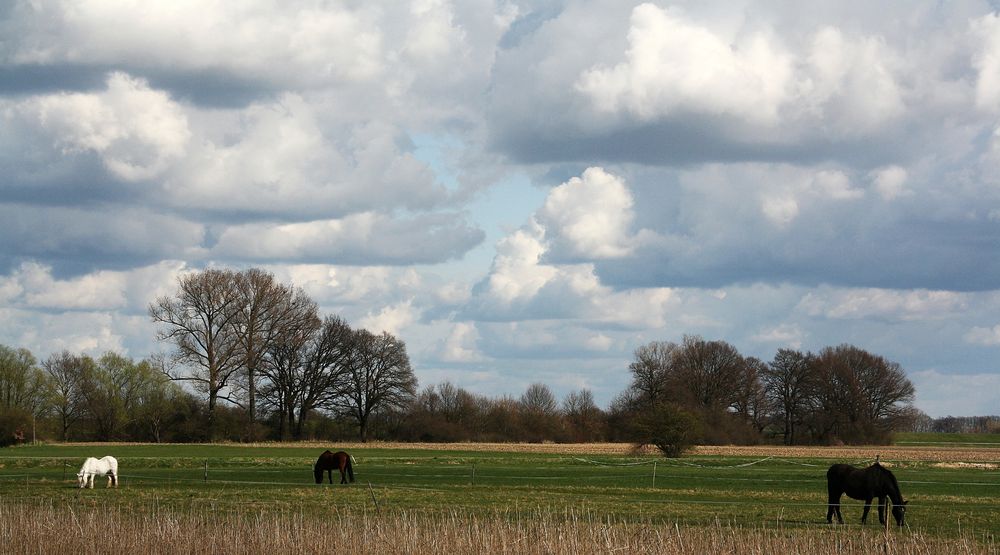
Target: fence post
[(473, 473), (206, 470), (371, 491), (654, 474), (64, 471)]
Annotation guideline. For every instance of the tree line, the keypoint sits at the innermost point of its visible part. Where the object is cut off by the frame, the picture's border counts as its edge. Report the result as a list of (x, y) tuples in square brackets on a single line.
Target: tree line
[(251, 358)]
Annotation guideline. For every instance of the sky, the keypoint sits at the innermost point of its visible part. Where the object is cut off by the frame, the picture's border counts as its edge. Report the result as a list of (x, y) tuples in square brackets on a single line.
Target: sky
[(521, 190)]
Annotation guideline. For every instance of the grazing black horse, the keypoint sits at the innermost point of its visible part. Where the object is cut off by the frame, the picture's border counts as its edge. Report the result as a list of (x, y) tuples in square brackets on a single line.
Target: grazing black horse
[(864, 484), (329, 461)]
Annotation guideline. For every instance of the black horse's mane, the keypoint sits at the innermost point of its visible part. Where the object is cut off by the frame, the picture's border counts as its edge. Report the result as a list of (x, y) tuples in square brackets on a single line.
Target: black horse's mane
[(888, 475)]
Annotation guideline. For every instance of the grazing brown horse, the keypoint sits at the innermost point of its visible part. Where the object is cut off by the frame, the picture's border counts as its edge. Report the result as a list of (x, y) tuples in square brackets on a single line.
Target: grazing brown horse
[(864, 484), (329, 461)]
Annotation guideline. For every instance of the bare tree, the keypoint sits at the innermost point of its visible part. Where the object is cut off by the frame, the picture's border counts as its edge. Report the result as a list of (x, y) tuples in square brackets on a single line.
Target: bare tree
[(199, 320), (266, 311), (539, 412), (584, 420), (861, 396), (378, 377), (709, 374), (790, 382), (326, 369), (652, 369)]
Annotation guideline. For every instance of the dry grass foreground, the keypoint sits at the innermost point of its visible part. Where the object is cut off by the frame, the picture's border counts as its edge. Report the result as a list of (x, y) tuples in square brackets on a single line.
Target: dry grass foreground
[(52, 529)]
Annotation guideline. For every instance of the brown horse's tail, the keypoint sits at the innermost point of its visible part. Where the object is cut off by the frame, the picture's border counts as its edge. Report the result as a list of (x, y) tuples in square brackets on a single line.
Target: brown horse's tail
[(350, 469)]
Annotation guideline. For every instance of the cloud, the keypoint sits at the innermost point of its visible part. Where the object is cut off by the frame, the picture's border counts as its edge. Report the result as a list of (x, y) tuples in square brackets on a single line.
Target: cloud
[(986, 60), (34, 286), (984, 336), (680, 85), (890, 182), (675, 66), (367, 237), (937, 391), (589, 218), (592, 214), (296, 43), (460, 346), (138, 132), (856, 304), (393, 319), (105, 234), (289, 158)]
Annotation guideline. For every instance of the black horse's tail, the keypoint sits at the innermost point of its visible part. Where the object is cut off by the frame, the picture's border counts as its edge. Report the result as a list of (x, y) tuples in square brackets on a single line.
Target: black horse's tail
[(350, 469)]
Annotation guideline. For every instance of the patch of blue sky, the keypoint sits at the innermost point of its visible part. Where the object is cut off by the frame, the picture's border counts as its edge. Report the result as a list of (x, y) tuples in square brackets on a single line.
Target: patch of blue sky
[(498, 209)]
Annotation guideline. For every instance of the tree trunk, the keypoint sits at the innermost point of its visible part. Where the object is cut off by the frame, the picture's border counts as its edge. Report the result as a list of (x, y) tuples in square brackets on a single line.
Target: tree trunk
[(210, 424)]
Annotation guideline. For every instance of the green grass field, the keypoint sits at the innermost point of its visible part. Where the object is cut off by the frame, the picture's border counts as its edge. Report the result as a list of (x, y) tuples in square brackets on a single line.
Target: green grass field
[(790, 492)]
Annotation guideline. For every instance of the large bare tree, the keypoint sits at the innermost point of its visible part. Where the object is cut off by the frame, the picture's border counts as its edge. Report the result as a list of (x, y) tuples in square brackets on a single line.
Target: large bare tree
[(860, 396), (200, 321), (652, 370), (267, 311), (790, 384), (307, 370), (378, 377)]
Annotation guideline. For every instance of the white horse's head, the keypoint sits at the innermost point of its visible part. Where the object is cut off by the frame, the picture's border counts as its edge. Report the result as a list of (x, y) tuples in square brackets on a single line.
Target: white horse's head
[(81, 480)]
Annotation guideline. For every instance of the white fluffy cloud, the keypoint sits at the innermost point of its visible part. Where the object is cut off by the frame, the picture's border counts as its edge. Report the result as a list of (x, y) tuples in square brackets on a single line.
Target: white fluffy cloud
[(987, 61), (137, 131), (675, 65), (292, 158), (285, 41), (592, 214)]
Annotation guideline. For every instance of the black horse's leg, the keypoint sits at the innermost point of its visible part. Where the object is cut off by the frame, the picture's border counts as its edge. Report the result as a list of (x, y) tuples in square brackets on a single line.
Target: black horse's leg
[(868, 507), (834, 508), (329, 473), (881, 510), (343, 473)]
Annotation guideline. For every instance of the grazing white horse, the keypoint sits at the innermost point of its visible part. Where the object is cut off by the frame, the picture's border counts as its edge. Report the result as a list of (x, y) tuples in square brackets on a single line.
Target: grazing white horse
[(94, 467)]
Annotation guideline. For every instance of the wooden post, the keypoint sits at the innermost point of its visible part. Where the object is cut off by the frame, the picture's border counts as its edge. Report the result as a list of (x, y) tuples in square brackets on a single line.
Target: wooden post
[(371, 491), (473, 473), (206, 470), (654, 474)]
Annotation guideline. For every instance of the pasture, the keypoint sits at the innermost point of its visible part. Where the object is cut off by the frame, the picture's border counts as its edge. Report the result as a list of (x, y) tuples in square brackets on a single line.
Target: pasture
[(772, 493)]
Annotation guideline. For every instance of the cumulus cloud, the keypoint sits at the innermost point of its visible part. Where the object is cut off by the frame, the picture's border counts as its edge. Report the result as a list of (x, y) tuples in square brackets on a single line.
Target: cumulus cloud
[(675, 65), (393, 319), (590, 218), (137, 131), (285, 41), (592, 214), (34, 286), (289, 159), (460, 345)]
